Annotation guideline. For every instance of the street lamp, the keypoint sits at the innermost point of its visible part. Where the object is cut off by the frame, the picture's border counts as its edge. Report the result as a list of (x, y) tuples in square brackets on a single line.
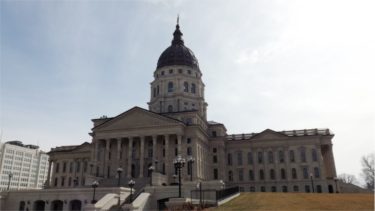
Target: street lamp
[(336, 179), (119, 171), (94, 185), (131, 184), (10, 175), (312, 182), (190, 161), (156, 165), (151, 169), (199, 186), (179, 163)]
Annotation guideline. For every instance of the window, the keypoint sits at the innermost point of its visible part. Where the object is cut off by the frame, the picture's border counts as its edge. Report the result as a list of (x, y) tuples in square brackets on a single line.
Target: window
[(230, 176), (78, 166), (260, 157), (294, 173), (188, 140), (163, 152), (70, 182), (214, 159), (214, 150), (57, 167), (240, 174), (261, 174), (193, 88), (252, 189), (251, 175), (62, 181), (318, 188), (283, 174), (303, 154), (162, 72), (291, 156), (314, 155), (239, 158), (249, 158), (56, 181), (175, 151), (189, 151), (170, 86), (281, 156), (179, 70), (307, 188), (170, 108), (263, 189), (305, 173), (273, 189), (154, 92), (186, 86), (270, 157), (85, 166), (272, 174), (229, 159), (214, 134), (157, 89), (285, 189), (216, 176), (64, 167), (189, 72), (170, 71), (295, 188), (316, 172), (189, 166)]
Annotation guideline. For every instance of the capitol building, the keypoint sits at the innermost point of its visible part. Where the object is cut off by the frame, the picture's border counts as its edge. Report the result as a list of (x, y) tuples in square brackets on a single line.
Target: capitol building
[(142, 145)]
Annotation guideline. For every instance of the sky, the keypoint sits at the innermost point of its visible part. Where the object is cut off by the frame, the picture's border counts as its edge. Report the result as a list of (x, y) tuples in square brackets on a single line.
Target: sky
[(281, 65)]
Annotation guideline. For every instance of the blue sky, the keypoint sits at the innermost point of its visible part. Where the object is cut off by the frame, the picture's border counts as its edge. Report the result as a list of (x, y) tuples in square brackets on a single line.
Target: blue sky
[(266, 64)]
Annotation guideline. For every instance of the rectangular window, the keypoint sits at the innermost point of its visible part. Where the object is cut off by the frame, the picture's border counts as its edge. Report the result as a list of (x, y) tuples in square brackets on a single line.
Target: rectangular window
[(303, 154), (281, 156), (316, 172), (188, 140), (64, 167), (314, 155), (216, 174), (305, 172), (251, 175), (229, 159), (214, 134), (249, 158), (214, 150), (57, 167), (239, 158), (214, 159), (307, 188), (270, 157), (240, 175)]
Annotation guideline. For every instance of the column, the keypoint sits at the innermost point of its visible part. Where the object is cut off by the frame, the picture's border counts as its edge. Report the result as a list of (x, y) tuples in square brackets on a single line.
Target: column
[(106, 156), (96, 151), (118, 150), (154, 157), (167, 161), (179, 140), (130, 150), (48, 182), (141, 158)]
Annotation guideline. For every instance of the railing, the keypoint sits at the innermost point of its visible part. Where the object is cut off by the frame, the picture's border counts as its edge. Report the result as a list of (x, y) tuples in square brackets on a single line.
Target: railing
[(132, 197), (210, 197)]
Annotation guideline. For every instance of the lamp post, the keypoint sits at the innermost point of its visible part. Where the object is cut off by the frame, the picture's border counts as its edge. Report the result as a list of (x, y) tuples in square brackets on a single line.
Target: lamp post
[(156, 165), (151, 169), (10, 175), (94, 185), (131, 184), (336, 179), (190, 161), (119, 171), (199, 186), (312, 182), (179, 163)]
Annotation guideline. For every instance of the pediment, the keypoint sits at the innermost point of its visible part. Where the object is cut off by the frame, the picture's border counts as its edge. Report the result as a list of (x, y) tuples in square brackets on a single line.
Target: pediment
[(269, 134), (136, 118)]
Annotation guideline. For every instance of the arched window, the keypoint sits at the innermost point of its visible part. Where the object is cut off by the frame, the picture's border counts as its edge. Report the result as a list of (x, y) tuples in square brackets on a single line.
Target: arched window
[(249, 158), (193, 88), (316, 172), (303, 154), (229, 159), (272, 174), (186, 86), (170, 108), (294, 173), (314, 155), (170, 86), (283, 174), (251, 175), (261, 174), (230, 175), (270, 157), (239, 158), (291, 156)]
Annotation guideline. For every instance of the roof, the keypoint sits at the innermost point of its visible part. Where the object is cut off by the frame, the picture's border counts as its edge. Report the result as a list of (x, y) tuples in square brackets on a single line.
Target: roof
[(67, 148), (290, 133)]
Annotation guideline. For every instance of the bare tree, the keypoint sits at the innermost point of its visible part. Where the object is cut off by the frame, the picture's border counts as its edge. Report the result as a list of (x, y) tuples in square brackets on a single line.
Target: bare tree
[(347, 178), (368, 170)]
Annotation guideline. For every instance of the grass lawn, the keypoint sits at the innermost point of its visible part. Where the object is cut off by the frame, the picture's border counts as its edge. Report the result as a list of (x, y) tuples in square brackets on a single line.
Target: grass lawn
[(299, 201)]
